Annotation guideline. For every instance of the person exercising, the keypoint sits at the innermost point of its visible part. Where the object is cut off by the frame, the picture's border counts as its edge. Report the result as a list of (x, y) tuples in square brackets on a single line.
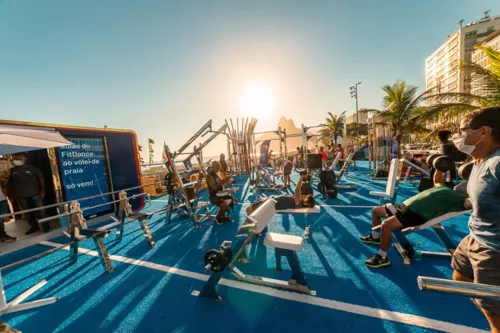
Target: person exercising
[(286, 166), (216, 184), (287, 201), (477, 257), (415, 211)]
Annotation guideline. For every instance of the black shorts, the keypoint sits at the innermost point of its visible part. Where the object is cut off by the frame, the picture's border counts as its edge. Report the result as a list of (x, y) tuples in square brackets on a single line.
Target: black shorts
[(287, 169), (217, 201), (407, 217)]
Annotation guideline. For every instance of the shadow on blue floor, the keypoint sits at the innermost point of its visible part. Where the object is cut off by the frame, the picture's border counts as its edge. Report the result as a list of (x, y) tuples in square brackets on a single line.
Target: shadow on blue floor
[(141, 299)]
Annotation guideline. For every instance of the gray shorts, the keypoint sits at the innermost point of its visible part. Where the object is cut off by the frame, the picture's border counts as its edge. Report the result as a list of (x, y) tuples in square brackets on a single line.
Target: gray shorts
[(287, 169), (481, 264)]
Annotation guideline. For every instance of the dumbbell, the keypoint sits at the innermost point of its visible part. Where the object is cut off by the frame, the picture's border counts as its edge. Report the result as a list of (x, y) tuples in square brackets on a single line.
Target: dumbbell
[(443, 163), (446, 165), (431, 158), (216, 261), (465, 170)]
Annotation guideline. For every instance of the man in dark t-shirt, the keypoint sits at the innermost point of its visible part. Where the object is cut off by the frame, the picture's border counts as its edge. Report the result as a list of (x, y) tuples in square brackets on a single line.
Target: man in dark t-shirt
[(215, 185), (287, 201), (27, 185)]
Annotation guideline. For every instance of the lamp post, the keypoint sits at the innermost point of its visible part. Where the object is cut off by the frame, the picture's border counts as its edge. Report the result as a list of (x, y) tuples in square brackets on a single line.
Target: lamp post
[(354, 94)]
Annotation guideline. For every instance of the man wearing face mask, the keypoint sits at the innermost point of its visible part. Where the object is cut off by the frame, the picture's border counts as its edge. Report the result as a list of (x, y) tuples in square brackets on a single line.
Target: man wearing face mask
[(477, 257), (27, 185)]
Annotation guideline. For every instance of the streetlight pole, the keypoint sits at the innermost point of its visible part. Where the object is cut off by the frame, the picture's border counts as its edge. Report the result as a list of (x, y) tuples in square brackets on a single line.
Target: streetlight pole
[(354, 94)]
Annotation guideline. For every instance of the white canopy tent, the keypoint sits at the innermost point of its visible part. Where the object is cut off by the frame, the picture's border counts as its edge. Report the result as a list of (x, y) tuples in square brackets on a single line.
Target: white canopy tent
[(15, 139)]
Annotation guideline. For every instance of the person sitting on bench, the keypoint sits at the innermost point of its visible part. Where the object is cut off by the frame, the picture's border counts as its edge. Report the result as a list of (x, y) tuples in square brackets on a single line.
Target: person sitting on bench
[(216, 184), (415, 211), (287, 166), (287, 201)]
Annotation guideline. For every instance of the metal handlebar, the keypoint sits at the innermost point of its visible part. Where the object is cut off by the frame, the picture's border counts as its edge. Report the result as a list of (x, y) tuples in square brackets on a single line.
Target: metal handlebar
[(467, 289)]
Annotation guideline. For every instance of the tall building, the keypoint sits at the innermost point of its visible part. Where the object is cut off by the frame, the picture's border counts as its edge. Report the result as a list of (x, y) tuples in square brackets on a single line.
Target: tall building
[(478, 57), (363, 116), (441, 68)]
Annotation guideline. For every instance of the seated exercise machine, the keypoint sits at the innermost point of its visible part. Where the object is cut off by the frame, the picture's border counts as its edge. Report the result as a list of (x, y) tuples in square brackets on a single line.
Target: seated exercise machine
[(222, 262), (263, 180), (406, 248), (124, 212)]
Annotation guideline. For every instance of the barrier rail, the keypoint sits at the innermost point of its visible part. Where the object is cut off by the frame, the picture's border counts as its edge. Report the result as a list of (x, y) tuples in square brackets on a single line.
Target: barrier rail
[(79, 199)]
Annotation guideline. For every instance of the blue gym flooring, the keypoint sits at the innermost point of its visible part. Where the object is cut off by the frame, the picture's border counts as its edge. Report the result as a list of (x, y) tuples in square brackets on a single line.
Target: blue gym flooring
[(150, 289)]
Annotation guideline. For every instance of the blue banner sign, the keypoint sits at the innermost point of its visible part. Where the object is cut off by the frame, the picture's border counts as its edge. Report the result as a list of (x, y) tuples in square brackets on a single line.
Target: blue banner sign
[(264, 153), (84, 173)]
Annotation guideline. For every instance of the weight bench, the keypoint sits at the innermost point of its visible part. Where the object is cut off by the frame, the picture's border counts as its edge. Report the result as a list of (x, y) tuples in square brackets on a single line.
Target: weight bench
[(233, 252), (392, 184), (313, 210), (407, 250), (124, 212)]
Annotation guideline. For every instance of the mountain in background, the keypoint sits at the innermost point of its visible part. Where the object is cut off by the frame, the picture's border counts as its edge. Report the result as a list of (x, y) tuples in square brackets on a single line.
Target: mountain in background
[(292, 143)]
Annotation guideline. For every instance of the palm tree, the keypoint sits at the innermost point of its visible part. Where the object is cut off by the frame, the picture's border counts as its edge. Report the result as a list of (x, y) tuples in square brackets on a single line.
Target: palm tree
[(402, 110), (357, 131), (489, 79), (333, 127)]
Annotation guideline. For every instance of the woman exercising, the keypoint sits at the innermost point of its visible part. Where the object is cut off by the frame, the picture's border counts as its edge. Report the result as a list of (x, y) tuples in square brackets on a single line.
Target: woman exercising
[(415, 211), (477, 257)]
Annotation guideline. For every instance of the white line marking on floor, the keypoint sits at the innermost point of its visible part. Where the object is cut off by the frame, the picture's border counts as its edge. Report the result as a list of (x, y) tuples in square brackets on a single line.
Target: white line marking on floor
[(346, 206), (326, 303)]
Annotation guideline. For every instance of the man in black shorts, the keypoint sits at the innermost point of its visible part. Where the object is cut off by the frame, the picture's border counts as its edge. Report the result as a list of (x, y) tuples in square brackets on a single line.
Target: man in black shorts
[(287, 201), (415, 211), (216, 184)]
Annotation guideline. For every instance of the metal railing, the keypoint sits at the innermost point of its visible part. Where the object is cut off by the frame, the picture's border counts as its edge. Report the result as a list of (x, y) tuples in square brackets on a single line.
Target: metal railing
[(59, 204)]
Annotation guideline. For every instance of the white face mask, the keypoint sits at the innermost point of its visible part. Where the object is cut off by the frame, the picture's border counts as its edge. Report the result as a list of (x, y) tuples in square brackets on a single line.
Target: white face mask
[(459, 141), (18, 162)]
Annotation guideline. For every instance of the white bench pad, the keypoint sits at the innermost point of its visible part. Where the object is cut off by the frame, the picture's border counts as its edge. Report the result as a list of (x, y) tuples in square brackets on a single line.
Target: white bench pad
[(379, 194), (314, 210), (437, 220), (282, 241)]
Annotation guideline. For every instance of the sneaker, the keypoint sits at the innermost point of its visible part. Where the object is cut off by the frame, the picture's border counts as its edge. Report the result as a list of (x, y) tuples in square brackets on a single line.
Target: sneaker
[(220, 221), (7, 239), (32, 230), (377, 262), (370, 240)]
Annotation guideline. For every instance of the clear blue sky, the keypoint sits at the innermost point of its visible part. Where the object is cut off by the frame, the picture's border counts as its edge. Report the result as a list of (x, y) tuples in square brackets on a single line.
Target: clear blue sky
[(163, 68)]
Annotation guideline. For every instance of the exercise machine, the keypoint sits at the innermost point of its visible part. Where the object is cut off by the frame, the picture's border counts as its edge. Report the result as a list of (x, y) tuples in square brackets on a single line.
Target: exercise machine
[(406, 249), (223, 262)]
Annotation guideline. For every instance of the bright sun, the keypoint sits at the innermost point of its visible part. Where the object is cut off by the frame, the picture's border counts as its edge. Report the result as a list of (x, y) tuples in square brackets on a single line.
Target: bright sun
[(257, 101)]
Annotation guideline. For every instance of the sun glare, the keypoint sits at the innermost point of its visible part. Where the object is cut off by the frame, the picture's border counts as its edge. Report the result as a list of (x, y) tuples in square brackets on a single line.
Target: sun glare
[(257, 101)]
